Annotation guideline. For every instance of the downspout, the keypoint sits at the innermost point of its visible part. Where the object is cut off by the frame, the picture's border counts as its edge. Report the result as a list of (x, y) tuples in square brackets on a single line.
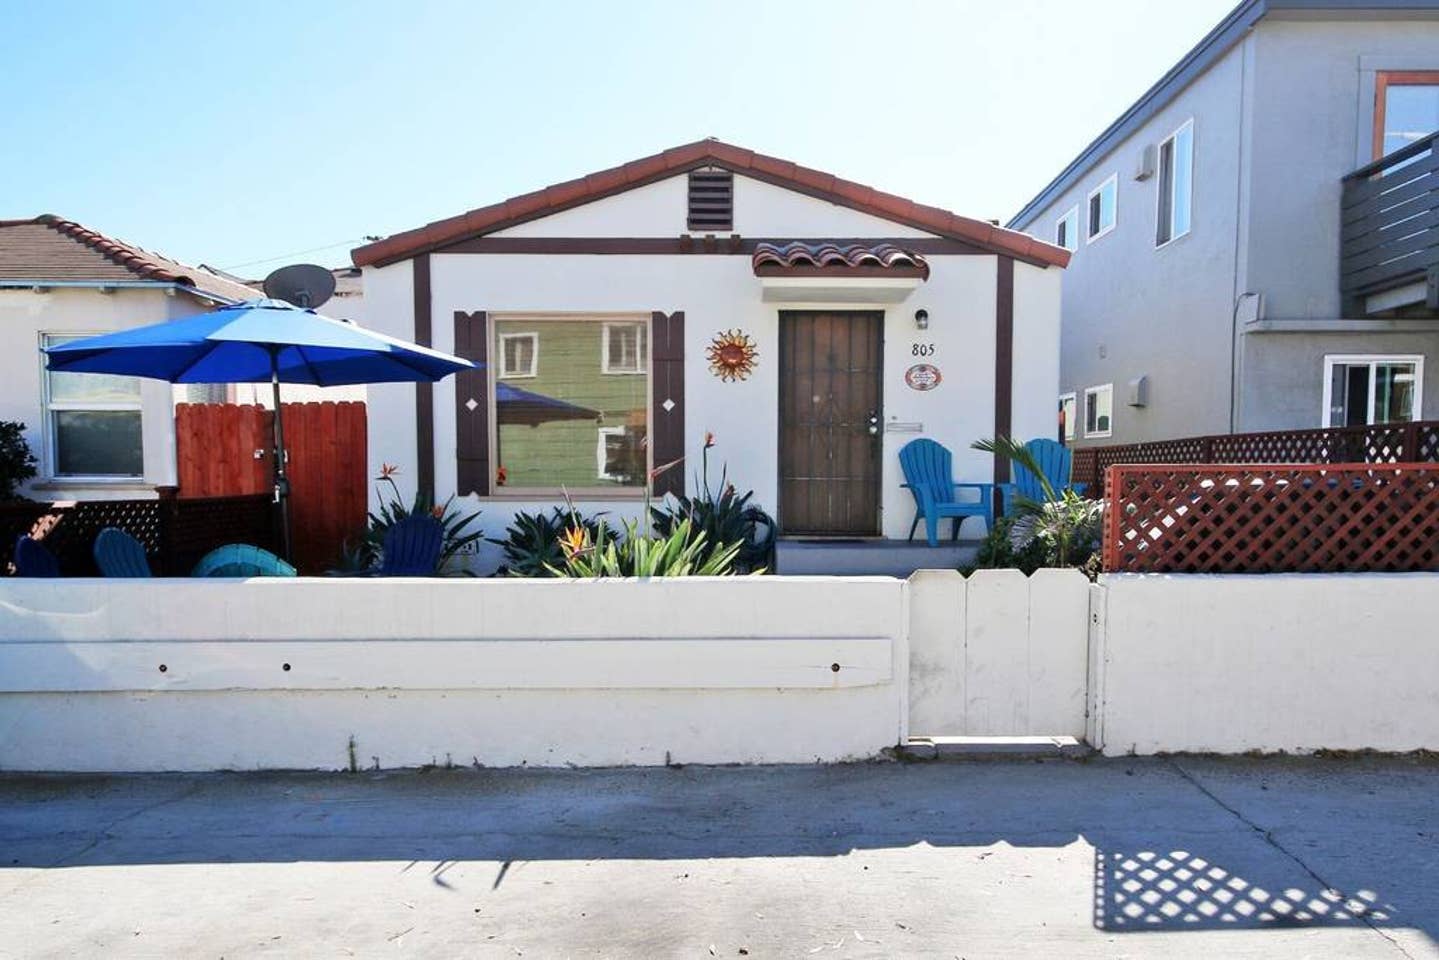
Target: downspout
[(1237, 297)]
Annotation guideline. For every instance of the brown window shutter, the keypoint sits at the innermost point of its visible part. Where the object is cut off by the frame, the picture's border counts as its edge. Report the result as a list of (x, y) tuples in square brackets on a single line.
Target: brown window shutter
[(711, 208), (667, 417), (472, 405)]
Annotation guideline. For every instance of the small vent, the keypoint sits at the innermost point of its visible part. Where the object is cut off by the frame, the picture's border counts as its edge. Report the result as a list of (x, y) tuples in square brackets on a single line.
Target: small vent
[(711, 201)]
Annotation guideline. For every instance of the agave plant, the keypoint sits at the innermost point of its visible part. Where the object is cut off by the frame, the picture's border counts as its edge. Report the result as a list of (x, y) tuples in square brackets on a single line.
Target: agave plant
[(531, 545), (723, 520), (1066, 523), (453, 522)]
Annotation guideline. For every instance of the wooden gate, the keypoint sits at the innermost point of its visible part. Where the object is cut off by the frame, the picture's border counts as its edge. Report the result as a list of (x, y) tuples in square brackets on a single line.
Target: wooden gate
[(223, 450), (829, 419)]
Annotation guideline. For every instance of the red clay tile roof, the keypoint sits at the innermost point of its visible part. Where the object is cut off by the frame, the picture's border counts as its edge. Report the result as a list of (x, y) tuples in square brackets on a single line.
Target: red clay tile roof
[(707, 153), (48, 247), (799, 254)]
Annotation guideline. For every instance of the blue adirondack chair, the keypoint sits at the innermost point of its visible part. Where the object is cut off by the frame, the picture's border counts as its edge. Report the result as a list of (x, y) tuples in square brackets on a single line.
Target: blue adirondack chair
[(118, 554), (929, 476), (412, 547), (1055, 460), (242, 560), (33, 560)]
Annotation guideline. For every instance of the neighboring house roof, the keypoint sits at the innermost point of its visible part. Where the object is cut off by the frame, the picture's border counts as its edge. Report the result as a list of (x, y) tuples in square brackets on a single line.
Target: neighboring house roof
[(50, 248), (832, 257), (691, 156), (1215, 44)]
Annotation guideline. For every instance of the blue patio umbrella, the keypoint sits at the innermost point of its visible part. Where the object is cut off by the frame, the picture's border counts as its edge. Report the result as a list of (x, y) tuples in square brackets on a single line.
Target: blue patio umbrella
[(253, 342)]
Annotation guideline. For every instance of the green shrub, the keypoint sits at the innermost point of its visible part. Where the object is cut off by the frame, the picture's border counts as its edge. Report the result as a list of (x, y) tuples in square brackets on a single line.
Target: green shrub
[(683, 552), (531, 545), (724, 520), (1063, 530), (17, 463), (367, 551)]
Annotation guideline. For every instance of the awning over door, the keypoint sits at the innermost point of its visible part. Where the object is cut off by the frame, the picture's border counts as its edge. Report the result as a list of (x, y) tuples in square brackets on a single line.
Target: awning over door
[(821, 272)]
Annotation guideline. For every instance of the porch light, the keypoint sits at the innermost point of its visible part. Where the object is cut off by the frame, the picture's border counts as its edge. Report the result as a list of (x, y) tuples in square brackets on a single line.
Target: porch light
[(921, 319)]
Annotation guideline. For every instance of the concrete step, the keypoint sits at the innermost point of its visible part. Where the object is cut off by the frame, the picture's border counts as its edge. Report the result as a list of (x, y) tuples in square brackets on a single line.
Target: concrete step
[(993, 748), (893, 558)]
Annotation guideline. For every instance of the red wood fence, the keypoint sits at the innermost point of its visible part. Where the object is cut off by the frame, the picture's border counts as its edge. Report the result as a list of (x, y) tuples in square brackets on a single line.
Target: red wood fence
[(1271, 518), (224, 449), (1416, 442)]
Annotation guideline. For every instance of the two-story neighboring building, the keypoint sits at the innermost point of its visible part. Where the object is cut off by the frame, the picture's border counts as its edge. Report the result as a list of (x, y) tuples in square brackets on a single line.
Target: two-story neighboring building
[(1240, 260)]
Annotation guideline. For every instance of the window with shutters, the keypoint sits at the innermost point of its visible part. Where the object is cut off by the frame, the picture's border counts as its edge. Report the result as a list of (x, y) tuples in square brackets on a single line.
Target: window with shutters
[(711, 201), (571, 424)]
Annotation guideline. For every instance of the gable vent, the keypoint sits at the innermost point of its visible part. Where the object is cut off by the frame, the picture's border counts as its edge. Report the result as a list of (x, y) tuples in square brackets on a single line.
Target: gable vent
[(711, 201)]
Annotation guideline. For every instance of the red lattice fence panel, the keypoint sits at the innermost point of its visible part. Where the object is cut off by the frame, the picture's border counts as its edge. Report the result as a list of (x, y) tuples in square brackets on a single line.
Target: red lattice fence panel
[(1416, 442), (1272, 518)]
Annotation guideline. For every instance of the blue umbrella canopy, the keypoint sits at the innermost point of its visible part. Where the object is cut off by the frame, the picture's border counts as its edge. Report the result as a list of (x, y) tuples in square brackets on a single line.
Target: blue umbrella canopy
[(255, 342)]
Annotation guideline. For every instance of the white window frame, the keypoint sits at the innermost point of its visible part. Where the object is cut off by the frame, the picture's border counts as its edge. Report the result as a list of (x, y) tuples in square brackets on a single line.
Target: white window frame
[(1372, 360), (602, 454), (1090, 237), (1071, 216), (504, 372), (50, 436), (1173, 194), (642, 349), (1084, 411), (1071, 424)]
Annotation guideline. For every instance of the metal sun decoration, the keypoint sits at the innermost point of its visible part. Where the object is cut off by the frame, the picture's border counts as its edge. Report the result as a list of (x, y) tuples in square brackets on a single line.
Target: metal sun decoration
[(732, 355)]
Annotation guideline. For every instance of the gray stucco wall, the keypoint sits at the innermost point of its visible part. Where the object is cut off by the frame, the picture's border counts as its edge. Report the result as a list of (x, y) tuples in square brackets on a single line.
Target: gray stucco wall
[(1130, 309)]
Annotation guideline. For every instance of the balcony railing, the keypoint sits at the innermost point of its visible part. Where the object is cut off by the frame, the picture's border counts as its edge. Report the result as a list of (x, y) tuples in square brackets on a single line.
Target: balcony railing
[(1389, 235)]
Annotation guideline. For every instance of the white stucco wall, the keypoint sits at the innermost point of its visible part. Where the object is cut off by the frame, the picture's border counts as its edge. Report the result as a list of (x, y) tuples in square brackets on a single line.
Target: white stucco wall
[(718, 292), (1297, 662), (287, 673), (25, 316)]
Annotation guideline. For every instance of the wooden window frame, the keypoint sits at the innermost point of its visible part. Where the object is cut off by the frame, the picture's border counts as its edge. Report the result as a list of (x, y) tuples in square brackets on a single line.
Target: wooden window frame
[(1089, 235), (1383, 80), (1371, 360), (557, 494), (1084, 411), (507, 374)]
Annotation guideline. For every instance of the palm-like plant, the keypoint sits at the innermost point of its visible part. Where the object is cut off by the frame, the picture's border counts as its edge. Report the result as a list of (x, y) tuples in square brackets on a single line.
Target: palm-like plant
[(1064, 521)]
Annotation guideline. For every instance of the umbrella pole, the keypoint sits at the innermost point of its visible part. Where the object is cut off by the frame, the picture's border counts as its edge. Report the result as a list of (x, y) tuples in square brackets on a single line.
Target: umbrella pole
[(282, 482)]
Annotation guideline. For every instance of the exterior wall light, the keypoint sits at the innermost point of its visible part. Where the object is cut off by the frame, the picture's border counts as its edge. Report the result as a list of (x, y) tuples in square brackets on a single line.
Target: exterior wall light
[(921, 319)]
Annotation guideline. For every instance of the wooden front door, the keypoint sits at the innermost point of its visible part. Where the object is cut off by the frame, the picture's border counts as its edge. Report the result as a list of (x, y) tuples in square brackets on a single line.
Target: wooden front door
[(829, 421)]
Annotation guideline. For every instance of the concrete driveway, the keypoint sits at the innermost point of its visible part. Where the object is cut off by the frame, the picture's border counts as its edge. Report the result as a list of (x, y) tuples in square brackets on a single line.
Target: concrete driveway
[(1146, 858)]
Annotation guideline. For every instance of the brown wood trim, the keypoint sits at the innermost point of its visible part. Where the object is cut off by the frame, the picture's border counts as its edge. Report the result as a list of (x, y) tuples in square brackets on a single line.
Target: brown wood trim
[(472, 425), (1383, 80), (667, 426), (671, 246), (842, 273), (424, 392), (1003, 361)]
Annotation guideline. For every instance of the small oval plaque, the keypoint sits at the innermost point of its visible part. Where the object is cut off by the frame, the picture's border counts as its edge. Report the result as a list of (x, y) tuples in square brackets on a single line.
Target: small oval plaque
[(922, 376)]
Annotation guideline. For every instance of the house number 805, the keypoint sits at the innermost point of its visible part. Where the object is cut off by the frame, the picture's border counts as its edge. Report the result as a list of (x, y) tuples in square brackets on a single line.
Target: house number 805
[(921, 350)]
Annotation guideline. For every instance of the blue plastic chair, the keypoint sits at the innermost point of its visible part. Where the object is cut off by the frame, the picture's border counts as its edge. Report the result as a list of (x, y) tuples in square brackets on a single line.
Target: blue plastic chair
[(242, 560), (412, 547), (33, 560), (929, 476), (118, 554), (1055, 460)]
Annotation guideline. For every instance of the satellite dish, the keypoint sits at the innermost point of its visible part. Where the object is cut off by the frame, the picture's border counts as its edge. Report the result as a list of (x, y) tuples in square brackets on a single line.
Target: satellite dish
[(303, 284)]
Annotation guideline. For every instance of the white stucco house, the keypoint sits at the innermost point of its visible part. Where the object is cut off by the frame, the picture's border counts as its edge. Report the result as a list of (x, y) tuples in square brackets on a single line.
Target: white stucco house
[(812, 325), (96, 437)]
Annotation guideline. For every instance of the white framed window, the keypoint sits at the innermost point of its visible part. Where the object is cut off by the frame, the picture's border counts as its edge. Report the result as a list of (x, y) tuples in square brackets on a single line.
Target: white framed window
[(610, 454), (92, 423), (519, 355), (1176, 185), (1068, 407), (1099, 411), (1066, 230), (1103, 207), (1360, 390), (624, 348)]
